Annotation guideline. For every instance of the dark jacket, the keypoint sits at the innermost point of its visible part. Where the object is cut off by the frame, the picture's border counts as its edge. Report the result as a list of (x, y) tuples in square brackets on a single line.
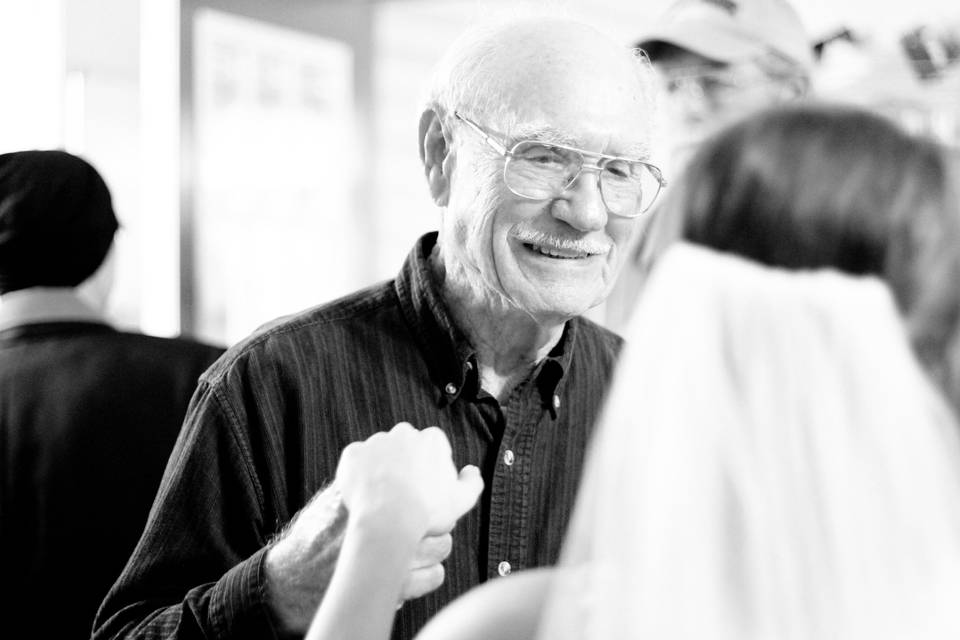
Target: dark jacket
[(88, 417)]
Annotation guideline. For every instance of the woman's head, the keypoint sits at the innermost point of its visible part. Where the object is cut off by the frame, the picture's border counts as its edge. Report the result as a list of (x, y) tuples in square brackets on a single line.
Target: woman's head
[(820, 186), (812, 187), (791, 473)]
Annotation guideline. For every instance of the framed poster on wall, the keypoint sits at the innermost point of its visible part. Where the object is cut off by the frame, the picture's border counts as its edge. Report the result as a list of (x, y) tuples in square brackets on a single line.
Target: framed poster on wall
[(275, 172)]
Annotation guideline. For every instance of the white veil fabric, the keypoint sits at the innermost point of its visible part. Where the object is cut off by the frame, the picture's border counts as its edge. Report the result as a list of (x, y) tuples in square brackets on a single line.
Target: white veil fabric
[(772, 463)]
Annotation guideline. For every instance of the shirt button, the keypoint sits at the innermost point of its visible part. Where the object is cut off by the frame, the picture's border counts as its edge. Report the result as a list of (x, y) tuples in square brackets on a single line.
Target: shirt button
[(508, 457), (504, 568), (556, 402), (451, 388)]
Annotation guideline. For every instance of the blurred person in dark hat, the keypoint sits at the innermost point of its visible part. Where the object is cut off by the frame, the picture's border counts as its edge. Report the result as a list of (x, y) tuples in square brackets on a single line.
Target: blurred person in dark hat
[(89, 413)]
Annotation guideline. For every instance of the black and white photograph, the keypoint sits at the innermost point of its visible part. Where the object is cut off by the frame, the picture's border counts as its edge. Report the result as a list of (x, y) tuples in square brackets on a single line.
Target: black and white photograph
[(480, 319)]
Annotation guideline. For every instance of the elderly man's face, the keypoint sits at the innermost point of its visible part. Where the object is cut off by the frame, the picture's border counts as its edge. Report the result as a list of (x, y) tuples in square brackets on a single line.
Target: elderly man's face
[(554, 257)]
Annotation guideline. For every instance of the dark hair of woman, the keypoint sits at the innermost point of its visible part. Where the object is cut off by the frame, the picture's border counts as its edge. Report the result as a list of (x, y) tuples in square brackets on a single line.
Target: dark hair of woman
[(829, 186)]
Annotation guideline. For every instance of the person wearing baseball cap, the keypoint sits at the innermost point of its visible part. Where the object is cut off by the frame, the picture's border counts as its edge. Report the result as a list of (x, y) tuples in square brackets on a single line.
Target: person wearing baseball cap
[(719, 60), (722, 59)]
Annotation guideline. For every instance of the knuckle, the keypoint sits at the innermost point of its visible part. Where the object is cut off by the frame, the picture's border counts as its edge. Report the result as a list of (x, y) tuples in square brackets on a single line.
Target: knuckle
[(437, 433), (444, 546), (371, 441), (434, 576), (437, 437), (441, 525), (424, 580), (437, 548), (350, 452)]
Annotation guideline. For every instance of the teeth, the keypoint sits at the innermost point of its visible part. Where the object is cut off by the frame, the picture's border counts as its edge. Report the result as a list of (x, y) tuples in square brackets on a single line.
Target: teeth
[(553, 252)]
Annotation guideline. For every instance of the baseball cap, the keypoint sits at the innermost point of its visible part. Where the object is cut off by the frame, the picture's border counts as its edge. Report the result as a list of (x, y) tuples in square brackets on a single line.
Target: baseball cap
[(732, 30)]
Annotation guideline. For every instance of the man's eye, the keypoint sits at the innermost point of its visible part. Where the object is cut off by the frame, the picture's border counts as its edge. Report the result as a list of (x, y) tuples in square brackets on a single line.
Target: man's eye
[(708, 83), (675, 85), (719, 82), (619, 170), (541, 155)]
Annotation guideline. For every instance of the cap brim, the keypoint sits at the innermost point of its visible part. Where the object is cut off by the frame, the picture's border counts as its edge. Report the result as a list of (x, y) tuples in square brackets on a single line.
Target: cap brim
[(709, 43)]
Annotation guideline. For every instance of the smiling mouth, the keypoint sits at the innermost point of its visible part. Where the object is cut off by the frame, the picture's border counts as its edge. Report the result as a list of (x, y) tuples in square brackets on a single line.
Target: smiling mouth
[(557, 253)]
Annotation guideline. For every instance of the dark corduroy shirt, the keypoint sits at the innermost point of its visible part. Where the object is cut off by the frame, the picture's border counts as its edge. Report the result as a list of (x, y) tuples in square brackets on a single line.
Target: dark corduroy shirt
[(269, 421)]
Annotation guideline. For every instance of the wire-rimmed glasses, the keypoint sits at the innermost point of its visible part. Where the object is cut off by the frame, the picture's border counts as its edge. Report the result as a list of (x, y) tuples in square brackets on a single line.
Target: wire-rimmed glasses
[(542, 171)]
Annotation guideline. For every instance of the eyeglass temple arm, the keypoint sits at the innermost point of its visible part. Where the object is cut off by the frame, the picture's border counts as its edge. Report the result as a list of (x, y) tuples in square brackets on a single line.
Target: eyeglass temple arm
[(502, 150), (655, 170)]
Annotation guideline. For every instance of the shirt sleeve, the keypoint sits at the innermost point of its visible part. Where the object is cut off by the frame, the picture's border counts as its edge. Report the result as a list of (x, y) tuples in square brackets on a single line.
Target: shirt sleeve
[(198, 569)]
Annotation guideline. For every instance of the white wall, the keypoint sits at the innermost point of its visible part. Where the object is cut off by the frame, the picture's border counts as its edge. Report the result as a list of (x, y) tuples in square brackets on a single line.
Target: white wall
[(69, 76), (31, 74)]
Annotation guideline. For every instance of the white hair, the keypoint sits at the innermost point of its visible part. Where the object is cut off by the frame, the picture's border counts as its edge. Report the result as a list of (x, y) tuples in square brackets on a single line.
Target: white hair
[(462, 79)]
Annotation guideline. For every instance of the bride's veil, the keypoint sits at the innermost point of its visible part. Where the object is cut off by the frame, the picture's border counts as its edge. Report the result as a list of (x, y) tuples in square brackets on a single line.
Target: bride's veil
[(772, 463)]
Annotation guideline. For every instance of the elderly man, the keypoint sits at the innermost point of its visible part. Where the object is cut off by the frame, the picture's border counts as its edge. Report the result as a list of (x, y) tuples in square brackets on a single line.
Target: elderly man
[(535, 146)]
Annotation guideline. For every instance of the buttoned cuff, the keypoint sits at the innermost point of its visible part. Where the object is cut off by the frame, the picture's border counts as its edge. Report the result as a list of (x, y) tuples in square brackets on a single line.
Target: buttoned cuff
[(238, 602)]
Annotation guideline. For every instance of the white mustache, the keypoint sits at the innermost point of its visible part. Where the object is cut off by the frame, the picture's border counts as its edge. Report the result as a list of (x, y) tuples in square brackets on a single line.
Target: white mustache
[(539, 238)]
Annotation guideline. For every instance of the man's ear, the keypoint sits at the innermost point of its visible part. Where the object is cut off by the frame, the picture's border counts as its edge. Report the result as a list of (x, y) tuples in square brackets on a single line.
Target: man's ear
[(434, 152)]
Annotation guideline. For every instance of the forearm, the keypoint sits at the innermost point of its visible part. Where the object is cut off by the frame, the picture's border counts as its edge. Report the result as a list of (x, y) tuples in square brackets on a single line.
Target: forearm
[(299, 567), (361, 600)]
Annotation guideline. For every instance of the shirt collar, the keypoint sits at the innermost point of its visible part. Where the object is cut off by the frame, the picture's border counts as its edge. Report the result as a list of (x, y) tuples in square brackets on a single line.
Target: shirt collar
[(450, 357), (45, 304), (551, 377)]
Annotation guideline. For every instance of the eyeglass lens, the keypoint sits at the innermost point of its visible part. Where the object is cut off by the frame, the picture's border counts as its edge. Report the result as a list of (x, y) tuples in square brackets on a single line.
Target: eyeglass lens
[(541, 171)]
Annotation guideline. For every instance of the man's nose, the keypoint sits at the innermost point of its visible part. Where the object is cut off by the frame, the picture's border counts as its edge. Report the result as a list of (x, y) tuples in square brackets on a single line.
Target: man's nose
[(581, 204)]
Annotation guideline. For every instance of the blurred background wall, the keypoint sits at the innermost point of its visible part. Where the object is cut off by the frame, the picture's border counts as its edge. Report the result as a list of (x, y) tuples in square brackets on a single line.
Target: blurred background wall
[(262, 153)]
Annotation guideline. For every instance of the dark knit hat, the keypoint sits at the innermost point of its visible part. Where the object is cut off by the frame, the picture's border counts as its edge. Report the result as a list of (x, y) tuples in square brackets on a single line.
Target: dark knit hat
[(56, 220)]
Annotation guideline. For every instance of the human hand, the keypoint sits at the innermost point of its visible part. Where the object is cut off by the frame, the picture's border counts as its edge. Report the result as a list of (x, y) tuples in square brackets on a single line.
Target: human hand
[(426, 572), (399, 487), (405, 479)]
